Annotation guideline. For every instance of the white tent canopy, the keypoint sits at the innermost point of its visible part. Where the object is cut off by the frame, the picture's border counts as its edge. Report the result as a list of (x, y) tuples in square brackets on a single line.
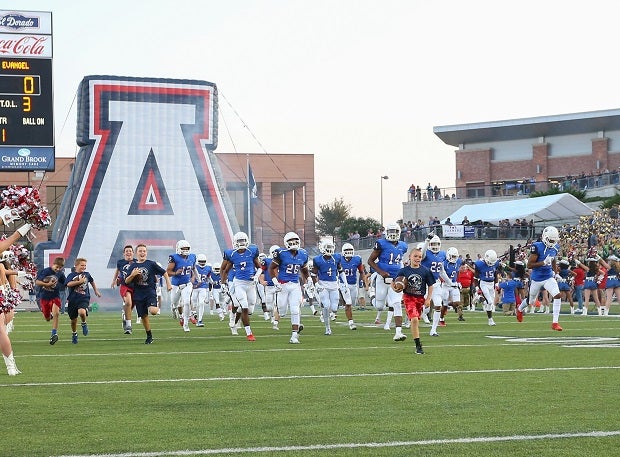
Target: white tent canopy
[(547, 208)]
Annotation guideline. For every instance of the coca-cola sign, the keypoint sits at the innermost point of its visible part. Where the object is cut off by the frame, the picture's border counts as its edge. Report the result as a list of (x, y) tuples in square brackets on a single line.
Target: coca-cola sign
[(25, 45), (17, 21)]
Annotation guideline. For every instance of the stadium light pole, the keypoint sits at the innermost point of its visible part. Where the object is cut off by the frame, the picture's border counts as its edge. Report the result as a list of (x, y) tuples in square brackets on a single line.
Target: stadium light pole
[(382, 178)]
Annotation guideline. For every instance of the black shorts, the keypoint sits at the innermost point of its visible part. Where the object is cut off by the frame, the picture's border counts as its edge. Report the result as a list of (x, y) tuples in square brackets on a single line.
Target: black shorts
[(142, 305), (72, 308)]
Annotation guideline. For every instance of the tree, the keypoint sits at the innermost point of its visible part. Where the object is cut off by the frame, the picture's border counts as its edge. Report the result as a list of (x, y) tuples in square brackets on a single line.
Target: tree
[(330, 217)]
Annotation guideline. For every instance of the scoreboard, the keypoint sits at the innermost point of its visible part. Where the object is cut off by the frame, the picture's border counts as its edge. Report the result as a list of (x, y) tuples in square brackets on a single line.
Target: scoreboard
[(26, 105), (26, 92)]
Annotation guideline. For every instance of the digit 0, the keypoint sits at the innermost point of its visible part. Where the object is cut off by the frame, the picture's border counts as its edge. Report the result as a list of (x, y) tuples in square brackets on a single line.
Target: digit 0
[(28, 85)]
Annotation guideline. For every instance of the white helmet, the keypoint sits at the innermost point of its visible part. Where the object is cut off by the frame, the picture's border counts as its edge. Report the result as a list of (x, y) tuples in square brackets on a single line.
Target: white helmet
[(550, 236), (420, 246), (261, 257), (452, 254), (7, 255), (240, 240), (273, 249), (183, 247), (348, 251), (201, 259), (490, 257), (327, 247), (217, 266), (392, 232), (291, 241), (434, 244)]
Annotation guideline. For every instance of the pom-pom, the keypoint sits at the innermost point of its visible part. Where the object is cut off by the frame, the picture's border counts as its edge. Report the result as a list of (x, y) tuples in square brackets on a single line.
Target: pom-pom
[(26, 203)]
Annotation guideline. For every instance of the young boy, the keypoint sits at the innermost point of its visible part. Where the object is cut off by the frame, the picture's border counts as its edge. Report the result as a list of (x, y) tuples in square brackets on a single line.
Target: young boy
[(79, 296), (417, 293), (143, 277), (50, 280)]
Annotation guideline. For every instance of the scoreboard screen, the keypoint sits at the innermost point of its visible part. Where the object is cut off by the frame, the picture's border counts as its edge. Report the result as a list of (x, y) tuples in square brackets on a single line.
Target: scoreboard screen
[(26, 103)]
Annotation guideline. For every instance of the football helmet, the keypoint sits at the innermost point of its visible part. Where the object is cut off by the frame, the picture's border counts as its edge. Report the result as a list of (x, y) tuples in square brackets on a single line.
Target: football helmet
[(217, 267), (434, 245), (291, 241), (261, 257), (183, 247), (201, 259), (348, 251), (327, 247), (273, 249), (392, 232), (240, 240), (452, 254), (490, 257), (550, 236)]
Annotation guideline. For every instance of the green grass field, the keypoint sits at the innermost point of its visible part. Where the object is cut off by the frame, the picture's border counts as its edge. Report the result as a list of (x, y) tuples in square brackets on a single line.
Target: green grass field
[(514, 389)]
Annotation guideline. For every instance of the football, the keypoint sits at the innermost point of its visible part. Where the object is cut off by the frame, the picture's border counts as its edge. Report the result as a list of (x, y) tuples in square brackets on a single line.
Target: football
[(51, 280), (399, 284)]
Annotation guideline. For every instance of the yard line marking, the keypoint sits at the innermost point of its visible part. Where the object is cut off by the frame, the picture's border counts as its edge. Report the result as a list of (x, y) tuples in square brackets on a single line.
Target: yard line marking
[(314, 376), (320, 447)]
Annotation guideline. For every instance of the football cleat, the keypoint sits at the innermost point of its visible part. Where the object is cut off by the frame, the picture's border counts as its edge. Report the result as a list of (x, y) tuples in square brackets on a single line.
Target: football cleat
[(84, 329), (186, 328), (294, 340), (419, 350), (352, 326), (149, 340), (400, 337), (128, 330), (519, 315), (54, 338), (442, 323), (328, 331), (434, 334), (377, 322), (200, 324), (556, 326), (251, 337), (74, 338)]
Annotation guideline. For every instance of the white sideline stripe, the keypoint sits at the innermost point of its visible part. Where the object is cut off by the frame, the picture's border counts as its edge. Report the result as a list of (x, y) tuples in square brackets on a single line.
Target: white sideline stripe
[(330, 376), (241, 450)]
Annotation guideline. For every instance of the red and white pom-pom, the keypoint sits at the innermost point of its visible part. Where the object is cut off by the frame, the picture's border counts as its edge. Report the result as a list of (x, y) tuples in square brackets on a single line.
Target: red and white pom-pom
[(27, 203)]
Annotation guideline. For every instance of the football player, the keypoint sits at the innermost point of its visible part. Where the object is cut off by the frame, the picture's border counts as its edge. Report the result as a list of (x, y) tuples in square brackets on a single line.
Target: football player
[(452, 294), (200, 293), (267, 283), (433, 258), (486, 274), (285, 270), (325, 271), (543, 270), (353, 268), (386, 259), (181, 266), (243, 259)]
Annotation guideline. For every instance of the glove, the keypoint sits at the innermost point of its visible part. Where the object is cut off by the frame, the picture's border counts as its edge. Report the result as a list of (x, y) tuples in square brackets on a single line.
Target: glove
[(430, 235), (548, 260), (24, 229), (310, 290), (276, 285), (224, 287), (319, 288)]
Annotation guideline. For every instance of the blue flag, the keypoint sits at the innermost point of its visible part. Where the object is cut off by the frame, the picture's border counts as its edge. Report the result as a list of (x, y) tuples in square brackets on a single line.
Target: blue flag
[(252, 183)]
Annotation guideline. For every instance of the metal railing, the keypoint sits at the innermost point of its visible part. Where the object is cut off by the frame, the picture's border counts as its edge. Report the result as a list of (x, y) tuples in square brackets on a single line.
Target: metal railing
[(509, 188)]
